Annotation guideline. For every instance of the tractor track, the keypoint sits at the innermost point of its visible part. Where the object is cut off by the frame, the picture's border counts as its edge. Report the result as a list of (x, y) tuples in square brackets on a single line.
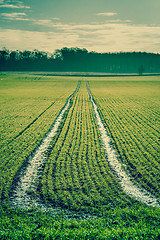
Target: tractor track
[(29, 125), (125, 181), (21, 195)]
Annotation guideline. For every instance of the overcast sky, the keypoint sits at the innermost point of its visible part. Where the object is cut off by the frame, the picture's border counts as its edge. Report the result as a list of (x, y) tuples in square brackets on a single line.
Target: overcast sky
[(97, 25)]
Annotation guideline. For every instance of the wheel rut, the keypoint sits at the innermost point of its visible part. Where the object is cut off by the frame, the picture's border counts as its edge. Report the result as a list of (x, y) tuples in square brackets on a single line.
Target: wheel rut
[(20, 196), (29, 125), (127, 185)]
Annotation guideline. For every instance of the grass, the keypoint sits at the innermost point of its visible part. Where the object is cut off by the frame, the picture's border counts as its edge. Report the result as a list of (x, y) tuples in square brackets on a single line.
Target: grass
[(76, 175), (116, 223)]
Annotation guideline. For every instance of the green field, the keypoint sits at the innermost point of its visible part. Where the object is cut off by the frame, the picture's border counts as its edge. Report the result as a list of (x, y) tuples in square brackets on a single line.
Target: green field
[(130, 112), (76, 175)]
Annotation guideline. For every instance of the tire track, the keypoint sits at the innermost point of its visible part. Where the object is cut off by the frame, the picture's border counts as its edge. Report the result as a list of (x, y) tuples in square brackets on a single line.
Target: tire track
[(20, 196), (29, 125), (128, 186)]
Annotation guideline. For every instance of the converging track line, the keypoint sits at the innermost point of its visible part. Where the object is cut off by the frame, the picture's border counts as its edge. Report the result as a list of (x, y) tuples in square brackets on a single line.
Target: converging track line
[(125, 181), (20, 196)]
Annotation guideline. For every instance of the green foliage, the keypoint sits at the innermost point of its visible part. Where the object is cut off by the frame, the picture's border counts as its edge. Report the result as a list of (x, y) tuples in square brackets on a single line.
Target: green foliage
[(130, 112), (129, 223), (28, 109), (76, 175), (80, 60)]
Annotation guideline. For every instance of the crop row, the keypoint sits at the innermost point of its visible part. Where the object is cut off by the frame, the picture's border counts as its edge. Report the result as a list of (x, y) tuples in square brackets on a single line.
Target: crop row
[(77, 174), (14, 154), (133, 127)]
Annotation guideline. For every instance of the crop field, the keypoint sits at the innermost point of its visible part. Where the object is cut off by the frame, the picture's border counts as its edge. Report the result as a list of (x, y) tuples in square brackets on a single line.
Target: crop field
[(130, 112), (28, 108), (75, 175)]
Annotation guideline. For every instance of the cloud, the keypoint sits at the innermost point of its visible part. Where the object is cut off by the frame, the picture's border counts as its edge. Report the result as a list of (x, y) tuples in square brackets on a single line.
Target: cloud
[(13, 5), (108, 14), (30, 40), (12, 15), (43, 22), (19, 16), (102, 37), (15, 16), (124, 37), (55, 18), (118, 21)]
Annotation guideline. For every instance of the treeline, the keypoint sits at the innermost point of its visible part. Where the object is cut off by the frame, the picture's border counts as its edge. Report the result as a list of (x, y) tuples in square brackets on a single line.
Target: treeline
[(79, 60)]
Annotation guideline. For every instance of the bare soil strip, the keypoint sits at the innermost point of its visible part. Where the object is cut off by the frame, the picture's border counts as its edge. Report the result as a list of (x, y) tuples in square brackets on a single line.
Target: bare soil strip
[(21, 195), (125, 181)]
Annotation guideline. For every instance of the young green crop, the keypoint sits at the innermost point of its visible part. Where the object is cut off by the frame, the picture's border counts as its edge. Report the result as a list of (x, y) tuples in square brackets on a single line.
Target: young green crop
[(28, 109), (130, 112), (76, 175)]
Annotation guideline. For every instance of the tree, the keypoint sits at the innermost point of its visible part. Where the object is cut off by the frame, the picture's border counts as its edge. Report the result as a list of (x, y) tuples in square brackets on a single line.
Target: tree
[(141, 69)]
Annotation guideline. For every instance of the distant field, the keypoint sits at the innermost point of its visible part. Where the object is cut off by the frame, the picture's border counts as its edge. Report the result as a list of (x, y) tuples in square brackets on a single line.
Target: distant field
[(125, 78), (76, 175)]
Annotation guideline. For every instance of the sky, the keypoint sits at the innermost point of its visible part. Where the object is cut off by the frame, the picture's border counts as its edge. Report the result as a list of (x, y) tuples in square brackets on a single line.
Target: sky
[(97, 25)]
